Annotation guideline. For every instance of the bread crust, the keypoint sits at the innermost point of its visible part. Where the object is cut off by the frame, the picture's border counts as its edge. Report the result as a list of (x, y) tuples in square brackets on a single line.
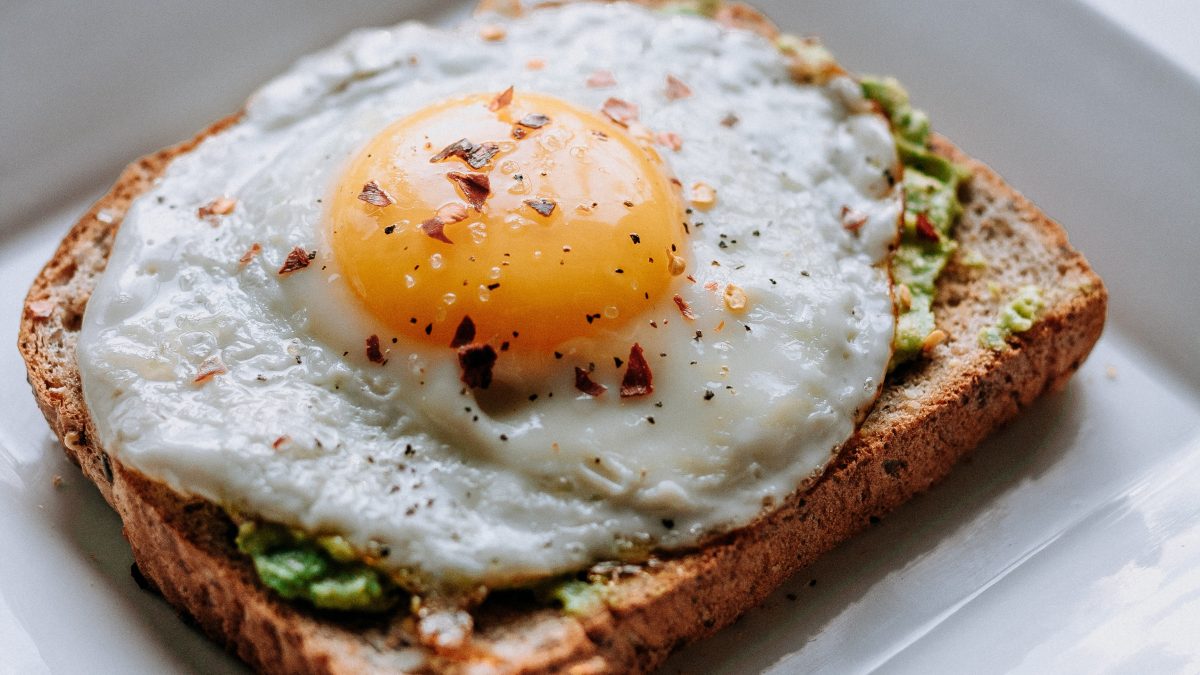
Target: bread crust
[(928, 416)]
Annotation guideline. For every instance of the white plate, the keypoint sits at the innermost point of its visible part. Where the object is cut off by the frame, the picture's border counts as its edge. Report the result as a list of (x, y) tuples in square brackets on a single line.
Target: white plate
[(1071, 540)]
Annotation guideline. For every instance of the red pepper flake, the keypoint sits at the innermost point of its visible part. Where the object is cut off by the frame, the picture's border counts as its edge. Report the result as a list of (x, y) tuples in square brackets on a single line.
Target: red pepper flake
[(676, 89), (584, 383), (853, 220), (638, 380), (621, 112), (926, 229), (41, 309), (475, 155), (375, 195), (744, 17), (502, 100), (476, 361), (280, 441), (464, 334), (481, 155), (475, 187), (210, 368), (518, 133), (600, 79), (542, 205), (374, 353), (297, 259), (684, 308), (254, 250), (729, 120), (461, 148), (669, 139), (534, 121), (435, 226), (221, 206)]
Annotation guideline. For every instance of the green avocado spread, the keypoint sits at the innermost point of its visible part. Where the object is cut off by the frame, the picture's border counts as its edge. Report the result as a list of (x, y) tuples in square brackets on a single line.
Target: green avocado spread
[(1017, 316), (931, 206), (325, 571), (578, 598)]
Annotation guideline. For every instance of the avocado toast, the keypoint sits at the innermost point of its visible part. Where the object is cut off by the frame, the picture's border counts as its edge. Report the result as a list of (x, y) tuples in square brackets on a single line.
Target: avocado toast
[(929, 414)]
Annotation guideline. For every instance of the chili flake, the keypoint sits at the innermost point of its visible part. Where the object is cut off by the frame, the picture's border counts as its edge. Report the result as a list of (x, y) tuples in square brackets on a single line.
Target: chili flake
[(464, 334), (449, 213), (475, 155), (475, 187), (684, 308), (254, 250), (926, 229), (676, 89), (584, 383), (534, 121), (375, 195), (374, 353), (297, 259), (853, 220), (619, 111), (638, 380), (600, 79), (542, 205), (476, 361), (210, 368), (669, 139), (221, 206), (502, 100)]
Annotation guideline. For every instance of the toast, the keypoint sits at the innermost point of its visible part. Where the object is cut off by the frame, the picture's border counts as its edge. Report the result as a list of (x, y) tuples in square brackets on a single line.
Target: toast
[(929, 415)]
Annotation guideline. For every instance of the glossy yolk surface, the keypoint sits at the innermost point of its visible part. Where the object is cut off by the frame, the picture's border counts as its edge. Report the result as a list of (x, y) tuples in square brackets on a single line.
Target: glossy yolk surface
[(523, 273)]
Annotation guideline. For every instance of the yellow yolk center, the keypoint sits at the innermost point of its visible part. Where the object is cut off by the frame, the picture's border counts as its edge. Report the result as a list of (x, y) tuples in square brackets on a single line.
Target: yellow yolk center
[(539, 220)]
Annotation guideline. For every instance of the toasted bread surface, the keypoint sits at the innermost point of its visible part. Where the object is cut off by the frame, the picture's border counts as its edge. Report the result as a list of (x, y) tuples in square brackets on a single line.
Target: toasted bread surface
[(928, 416)]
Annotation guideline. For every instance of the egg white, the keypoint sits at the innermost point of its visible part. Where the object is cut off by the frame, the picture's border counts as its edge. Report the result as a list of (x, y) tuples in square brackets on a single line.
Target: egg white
[(466, 486)]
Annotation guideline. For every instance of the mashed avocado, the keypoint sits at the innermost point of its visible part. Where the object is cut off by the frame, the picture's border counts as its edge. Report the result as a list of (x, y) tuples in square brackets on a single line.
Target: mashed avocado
[(931, 206), (578, 598), (1016, 317), (325, 571)]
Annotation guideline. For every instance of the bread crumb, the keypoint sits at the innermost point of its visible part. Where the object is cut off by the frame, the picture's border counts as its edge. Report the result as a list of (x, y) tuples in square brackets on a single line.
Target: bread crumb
[(221, 206), (57, 481), (1110, 371)]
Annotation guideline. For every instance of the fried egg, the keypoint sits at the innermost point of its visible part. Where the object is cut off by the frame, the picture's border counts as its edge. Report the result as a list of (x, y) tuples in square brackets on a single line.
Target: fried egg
[(496, 309)]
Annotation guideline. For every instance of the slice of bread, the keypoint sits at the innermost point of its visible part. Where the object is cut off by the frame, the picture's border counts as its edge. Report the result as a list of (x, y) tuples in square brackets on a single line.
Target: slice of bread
[(929, 415)]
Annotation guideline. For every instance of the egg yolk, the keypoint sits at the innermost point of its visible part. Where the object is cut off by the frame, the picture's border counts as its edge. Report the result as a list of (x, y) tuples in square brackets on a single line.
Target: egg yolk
[(539, 220)]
